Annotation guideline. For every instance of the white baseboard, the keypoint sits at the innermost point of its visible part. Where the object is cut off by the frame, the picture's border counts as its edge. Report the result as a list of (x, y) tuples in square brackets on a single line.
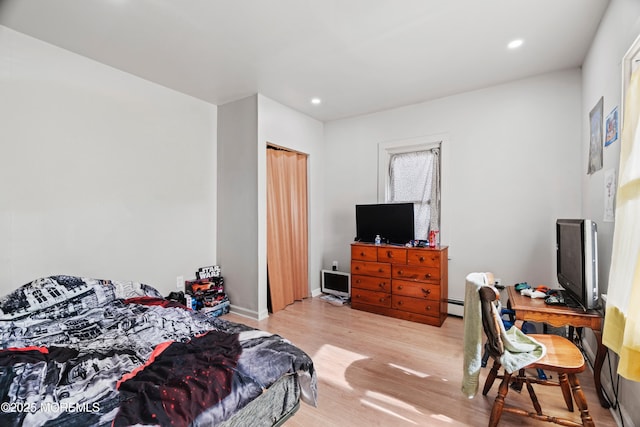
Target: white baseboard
[(251, 314), (626, 418), (456, 310)]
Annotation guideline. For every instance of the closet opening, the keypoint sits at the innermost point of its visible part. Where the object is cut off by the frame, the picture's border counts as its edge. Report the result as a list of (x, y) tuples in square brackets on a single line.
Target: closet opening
[(287, 227)]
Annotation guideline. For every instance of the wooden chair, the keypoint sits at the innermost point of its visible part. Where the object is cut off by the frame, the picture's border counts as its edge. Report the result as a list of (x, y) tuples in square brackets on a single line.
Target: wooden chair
[(562, 357)]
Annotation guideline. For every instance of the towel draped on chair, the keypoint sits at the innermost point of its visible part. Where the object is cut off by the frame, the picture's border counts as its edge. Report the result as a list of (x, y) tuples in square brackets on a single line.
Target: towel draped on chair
[(520, 350)]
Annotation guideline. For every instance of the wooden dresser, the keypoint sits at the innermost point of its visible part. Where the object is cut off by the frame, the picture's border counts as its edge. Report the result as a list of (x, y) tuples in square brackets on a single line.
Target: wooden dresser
[(407, 283)]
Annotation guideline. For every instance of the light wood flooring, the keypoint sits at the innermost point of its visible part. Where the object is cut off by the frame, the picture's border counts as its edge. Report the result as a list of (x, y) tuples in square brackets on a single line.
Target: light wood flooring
[(379, 371)]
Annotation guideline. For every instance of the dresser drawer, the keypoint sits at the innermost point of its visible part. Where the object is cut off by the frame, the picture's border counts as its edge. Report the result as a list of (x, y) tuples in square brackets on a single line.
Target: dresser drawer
[(424, 291), (409, 272), (371, 283), (363, 296), (377, 269), (399, 281), (416, 305), (364, 253), (423, 257), (392, 255)]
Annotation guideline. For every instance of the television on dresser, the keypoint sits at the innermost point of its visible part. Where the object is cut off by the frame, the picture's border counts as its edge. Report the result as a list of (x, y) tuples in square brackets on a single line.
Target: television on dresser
[(393, 222), (577, 260)]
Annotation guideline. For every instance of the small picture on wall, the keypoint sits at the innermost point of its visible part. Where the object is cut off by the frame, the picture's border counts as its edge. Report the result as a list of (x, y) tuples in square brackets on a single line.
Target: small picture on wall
[(595, 141), (611, 126), (609, 195)]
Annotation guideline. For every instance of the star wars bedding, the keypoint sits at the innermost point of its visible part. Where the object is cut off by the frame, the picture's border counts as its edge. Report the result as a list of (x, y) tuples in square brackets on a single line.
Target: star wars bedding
[(77, 351)]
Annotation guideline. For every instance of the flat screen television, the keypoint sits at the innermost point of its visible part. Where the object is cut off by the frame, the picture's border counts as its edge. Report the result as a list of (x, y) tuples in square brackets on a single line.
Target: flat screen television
[(392, 221), (577, 260), (336, 283)]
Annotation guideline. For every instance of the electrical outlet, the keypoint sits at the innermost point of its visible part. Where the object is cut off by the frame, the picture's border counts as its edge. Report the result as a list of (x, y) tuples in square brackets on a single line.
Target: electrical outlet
[(180, 283), (334, 265)]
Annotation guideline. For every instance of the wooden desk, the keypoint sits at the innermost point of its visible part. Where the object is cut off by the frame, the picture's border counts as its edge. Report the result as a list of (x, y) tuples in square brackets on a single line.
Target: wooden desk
[(536, 310)]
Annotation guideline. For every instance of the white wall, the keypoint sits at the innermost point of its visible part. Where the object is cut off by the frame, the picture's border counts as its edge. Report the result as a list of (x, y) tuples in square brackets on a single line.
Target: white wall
[(245, 128), (511, 165), (602, 77), (102, 174), (288, 128), (238, 203)]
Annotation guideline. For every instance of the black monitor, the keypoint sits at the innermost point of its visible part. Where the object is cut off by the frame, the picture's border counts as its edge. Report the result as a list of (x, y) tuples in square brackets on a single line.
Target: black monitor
[(577, 260)]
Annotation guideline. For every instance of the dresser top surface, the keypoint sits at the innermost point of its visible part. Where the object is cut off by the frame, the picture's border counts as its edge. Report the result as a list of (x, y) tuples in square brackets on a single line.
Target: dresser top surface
[(384, 245)]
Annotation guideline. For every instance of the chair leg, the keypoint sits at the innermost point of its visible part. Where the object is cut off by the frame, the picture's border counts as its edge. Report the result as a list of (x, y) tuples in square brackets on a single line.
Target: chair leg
[(491, 377), (534, 398), (566, 391), (581, 401), (485, 356), (498, 404)]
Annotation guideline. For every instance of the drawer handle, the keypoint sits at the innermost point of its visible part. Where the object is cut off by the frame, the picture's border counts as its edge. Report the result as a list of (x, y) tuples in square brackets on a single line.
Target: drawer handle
[(400, 287), (382, 285), (357, 268), (428, 308), (421, 259), (381, 270), (361, 253), (358, 296), (358, 281), (389, 254), (399, 302), (381, 299), (428, 275), (426, 291), (400, 272)]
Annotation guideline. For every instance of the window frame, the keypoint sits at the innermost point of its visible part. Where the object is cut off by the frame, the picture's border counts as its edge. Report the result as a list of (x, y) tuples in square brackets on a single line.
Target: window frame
[(422, 143)]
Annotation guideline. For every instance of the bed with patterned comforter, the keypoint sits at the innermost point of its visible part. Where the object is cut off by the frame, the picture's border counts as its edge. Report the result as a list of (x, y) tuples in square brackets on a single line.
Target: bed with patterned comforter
[(78, 351)]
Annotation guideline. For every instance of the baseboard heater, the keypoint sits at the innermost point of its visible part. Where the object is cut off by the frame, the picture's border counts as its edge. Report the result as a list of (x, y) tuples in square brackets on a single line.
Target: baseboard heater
[(456, 312)]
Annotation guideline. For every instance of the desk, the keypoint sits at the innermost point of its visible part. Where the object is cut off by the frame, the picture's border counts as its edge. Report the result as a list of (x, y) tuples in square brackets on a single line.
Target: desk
[(536, 310)]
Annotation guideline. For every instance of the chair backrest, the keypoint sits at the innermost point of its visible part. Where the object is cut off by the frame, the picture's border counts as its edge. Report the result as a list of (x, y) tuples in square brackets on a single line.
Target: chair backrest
[(490, 320)]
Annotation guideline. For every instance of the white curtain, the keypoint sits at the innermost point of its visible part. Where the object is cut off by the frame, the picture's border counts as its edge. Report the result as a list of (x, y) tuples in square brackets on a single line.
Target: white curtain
[(434, 221), (622, 318), (415, 178)]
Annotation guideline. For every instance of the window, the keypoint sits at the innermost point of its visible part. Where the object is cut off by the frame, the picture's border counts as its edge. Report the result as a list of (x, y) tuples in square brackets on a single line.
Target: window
[(409, 171), (54, 292), (39, 296)]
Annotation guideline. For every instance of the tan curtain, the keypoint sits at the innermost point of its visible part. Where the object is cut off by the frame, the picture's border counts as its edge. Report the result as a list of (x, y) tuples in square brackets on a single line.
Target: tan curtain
[(287, 259)]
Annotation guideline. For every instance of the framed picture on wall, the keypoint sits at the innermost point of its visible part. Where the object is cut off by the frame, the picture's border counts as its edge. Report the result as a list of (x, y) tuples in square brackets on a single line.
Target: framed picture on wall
[(595, 140), (611, 127)]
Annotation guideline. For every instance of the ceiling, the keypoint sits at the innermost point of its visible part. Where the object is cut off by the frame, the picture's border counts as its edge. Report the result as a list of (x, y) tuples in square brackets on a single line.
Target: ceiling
[(358, 56)]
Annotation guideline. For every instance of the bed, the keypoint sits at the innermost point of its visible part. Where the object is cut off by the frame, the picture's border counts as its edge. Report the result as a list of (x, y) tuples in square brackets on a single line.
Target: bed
[(78, 351)]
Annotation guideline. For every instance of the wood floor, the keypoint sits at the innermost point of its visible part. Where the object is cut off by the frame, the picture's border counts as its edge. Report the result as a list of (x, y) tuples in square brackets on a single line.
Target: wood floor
[(379, 371)]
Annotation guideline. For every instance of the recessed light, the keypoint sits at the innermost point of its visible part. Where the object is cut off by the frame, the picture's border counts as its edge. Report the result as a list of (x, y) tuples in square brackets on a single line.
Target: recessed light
[(316, 101), (514, 44)]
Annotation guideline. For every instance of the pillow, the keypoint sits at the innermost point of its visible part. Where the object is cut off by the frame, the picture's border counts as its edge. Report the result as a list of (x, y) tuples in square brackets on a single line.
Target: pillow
[(80, 292)]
